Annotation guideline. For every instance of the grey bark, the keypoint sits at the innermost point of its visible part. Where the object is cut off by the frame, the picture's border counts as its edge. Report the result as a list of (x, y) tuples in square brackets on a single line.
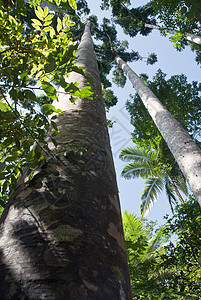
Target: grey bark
[(61, 234), (185, 151), (189, 36)]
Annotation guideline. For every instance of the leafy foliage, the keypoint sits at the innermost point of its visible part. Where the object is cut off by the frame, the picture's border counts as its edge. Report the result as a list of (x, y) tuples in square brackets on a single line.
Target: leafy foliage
[(109, 98), (146, 164), (184, 256), (180, 15), (131, 20), (183, 16), (35, 56), (160, 269), (143, 252)]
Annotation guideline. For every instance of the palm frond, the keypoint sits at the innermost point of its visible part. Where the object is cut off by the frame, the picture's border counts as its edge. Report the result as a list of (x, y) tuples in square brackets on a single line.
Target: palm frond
[(130, 154), (153, 187), (138, 169)]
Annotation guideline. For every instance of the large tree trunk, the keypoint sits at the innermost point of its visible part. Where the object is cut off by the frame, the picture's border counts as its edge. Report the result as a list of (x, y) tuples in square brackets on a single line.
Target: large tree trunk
[(61, 233), (185, 151), (189, 36)]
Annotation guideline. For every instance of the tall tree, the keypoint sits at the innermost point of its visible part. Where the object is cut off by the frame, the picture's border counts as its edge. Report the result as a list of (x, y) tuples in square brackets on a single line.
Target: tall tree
[(182, 17), (61, 232), (186, 152), (146, 164), (182, 99)]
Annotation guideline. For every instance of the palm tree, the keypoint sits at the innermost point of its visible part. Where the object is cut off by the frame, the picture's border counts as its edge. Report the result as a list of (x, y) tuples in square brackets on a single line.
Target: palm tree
[(185, 151), (61, 233), (144, 251), (146, 164)]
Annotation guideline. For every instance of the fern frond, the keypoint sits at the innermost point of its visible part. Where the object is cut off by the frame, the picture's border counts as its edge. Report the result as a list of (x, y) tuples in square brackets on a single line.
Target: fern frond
[(133, 226)]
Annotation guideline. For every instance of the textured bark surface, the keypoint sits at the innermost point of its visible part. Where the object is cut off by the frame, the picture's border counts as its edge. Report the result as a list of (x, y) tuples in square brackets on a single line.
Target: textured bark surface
[(189, 36), (185, 151), (61, 233)]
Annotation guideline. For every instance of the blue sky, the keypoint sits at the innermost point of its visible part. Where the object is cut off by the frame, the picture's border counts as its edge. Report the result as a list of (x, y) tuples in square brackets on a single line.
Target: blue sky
[(170, 62)]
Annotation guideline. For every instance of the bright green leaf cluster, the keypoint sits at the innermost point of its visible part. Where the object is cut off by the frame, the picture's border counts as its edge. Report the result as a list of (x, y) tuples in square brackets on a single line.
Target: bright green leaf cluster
[(31, 60)]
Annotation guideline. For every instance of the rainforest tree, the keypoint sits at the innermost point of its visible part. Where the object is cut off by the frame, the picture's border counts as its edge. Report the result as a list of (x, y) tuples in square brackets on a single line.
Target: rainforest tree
[(182, 99), (181, 18), (62, 225), (185, 150)]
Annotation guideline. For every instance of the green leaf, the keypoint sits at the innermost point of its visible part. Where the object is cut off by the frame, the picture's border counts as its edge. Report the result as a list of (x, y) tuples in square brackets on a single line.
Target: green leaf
[(36, 26), (4, 106), (68, 55), (86, 92), (46, 10), (5, 186), (13, 182), (49, 109), (54, 142), (49, 17), (50, 66), (12, 20), (12, 158), (30, 95), (73, 4), (72, 88), (36, 22), (54, 125), (47, 23), (59, 24), (52, 32), (153, 187), (55, 132), (39, 13), (49, 90)]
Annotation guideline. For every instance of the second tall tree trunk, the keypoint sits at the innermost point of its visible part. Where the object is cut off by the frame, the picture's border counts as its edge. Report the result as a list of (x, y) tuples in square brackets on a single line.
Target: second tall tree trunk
[(186, 152)]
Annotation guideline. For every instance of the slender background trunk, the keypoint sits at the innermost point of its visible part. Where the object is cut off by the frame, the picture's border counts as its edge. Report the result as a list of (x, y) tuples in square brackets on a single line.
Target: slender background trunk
[(189, 36), (185, 151), (176, 190), (61, 233)]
